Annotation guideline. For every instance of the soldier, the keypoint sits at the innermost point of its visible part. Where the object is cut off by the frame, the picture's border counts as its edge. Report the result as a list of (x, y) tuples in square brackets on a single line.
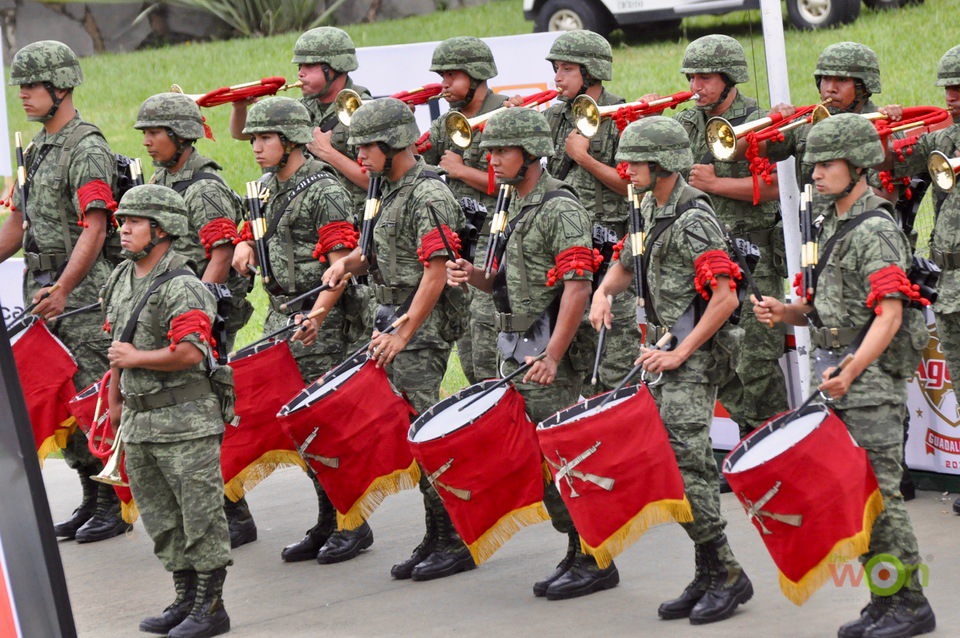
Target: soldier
[(406, 269), (171, 124), (548, 243), (168, 414), (582, 61), (685, 258), (71, 172), (305, 201), (465, 64), (869, 391)]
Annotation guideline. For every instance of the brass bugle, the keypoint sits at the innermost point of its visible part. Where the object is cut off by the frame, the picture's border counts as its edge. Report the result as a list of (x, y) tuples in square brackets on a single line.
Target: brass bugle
[(175, 88), (587, 114), (459, 129), (722, 136), (348, 100), (943, 170), (110, 475)]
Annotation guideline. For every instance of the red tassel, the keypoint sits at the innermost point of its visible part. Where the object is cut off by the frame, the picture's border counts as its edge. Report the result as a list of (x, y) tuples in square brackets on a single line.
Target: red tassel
[(333, 235), (576, 258), (709, 266), (890, 280), (207, 131), (491, 177), (216, 231), (190, 322)]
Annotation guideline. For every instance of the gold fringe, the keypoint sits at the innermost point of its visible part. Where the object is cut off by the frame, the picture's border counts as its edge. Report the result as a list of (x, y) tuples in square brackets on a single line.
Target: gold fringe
[(379, 490), (57, 440), (547, 474), (260, 469), (844, 550), (508, 525), (129, 511), (655, 513)]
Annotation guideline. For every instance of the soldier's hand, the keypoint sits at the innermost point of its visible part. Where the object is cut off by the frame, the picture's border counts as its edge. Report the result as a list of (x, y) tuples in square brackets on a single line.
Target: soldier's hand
[(543, 371), (513, 100), (307, 332), (894, 112), (243, 254), (458, 272), (656, 361), (385, 347), (123, 355), (600, 314), (321, 146), (54, 303), (333, 276), (703, 177), (452, 163), (784, 109), (767, 311), (577, 146), (838, 385)]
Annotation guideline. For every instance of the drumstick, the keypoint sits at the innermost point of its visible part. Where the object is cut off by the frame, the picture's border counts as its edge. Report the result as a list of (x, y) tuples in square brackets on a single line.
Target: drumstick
[(503, 381), (29, 309), (77, 311), (289, 326), (600, 339), (664, 340), (315, 291), (840, 366), (346, 362)]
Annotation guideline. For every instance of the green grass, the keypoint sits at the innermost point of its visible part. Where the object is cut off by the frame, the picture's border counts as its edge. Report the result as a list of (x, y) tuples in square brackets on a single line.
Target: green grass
[(909, 43)]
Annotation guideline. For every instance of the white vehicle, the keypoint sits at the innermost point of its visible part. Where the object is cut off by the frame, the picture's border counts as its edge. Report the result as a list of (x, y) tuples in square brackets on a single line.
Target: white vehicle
[(604, 16)]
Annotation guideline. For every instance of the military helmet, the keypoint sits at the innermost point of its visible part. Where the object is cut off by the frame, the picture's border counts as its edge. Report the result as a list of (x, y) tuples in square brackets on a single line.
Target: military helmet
[(282, 115), (174, 111), (716, 54), (656, 139), (46, 61), (523, 127), (850, 60), (586, 48), (845, 136), (464, 53), (386, 120), (948, 71), (159, 203), (328, 45)]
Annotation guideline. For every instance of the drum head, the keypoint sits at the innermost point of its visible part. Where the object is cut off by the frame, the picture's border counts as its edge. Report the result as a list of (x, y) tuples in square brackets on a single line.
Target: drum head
[(454, 413), (249, 351), (588, 408), (773, 439), (325, 385)]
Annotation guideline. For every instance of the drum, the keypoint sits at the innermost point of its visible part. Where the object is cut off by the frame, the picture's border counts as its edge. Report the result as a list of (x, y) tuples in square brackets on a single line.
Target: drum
[(811, 493), (614, 469), (265, 376), (46, 370), (350, 427), (482, 458)]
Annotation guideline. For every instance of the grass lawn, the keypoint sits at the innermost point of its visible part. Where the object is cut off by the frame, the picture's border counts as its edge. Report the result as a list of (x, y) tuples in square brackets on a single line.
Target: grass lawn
[(117, 83)]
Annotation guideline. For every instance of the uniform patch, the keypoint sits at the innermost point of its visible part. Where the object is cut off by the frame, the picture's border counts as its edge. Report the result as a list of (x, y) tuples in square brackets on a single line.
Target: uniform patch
[(96, 167), (697, 236), (889, 246), (571, 223), (212, 203)]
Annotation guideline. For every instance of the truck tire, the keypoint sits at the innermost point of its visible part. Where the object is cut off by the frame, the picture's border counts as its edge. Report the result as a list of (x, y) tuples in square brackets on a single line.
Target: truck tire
[(567, 15), (819, 14)]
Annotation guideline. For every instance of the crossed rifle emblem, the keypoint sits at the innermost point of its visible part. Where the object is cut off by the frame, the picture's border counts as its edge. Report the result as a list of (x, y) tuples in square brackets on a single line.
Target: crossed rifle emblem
[(566, 470), (756, 512), (323, 460), (434, 480)]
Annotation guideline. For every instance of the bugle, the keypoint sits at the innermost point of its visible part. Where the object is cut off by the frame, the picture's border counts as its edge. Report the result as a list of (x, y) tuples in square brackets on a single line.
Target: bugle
[(237, 92), (914, 117), (943, 170), (722, 136), (100, 444), (587, 114), (348, 100), (459, 129)]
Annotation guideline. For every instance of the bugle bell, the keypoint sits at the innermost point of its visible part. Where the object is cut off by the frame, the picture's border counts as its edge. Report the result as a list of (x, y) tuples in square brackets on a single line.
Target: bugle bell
[(722, 136), (459, 129), (587, 114), (237, 92), (943, 170), (111, 474), (348, 100)]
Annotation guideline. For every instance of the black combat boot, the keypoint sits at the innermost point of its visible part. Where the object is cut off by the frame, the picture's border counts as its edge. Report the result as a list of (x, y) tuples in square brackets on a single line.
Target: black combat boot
[(68, 528), (402, 571), (573, 546), (681, 606), (956, 506), (345, 544), (908, 614), (908, 489), (584, 577), (207, 616), (449, 556), (868, 615), (243, 529), (185, 582), (729, 586), (309, 546), (106, 521)]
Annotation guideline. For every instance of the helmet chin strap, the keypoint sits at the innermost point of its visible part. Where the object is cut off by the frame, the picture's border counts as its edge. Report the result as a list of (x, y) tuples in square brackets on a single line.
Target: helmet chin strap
[(54, 108), (588, 81), (720, 100), (146, 250), (855, 175), (288, 147), (528, 160), (468, 98), (181, 145), (655, 172), (389, 153), (329, 75), (861, 97)]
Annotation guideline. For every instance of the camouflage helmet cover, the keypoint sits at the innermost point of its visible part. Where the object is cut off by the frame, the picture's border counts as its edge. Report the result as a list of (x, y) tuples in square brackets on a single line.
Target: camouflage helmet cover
[(522, 127), (586, 48), (159, 203), (175, 111), (46, 61), (850, 60), (328, 45), (656, 139), (845, 136), (716, 54), (464, 53), (282, 115), (948, 71), (386, 120)]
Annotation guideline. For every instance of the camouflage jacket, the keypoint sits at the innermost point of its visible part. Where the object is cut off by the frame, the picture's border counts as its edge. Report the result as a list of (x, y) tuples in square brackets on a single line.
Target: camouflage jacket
[(53, 206), (193, 417)]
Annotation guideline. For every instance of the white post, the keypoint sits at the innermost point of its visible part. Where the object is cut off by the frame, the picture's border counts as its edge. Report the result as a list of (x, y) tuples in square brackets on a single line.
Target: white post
[(779, 86), (6, 170)]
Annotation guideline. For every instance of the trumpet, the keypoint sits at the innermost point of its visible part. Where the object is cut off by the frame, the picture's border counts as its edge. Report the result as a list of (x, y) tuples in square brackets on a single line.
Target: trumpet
[(112, 468), (587, 114), (237, 92), (348, 100), (722, 136), (459, 129), (943, 170), (927, 117)]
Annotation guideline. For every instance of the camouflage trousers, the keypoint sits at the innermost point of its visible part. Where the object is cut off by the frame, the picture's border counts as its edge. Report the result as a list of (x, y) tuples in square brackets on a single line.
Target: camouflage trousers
[(178, 488), (621, 345), (948, 330), (477, 347), (759, 390), (878, 429)]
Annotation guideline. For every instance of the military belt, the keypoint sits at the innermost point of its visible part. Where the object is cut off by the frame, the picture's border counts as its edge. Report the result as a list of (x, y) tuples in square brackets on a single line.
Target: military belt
[(43, 262), (759, 238), (832, 338), (946, 261), (513, 321), (166, 398), (391, 295), (297, 306)]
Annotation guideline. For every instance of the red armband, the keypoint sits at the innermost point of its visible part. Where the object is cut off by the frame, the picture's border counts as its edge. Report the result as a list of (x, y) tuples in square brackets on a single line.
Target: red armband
[(333, 235), (576, 258), (890, 280), (431, 243), (246, 233), (218, 230), (191, 322), (618, 248), (709, 266), (798, 287), (91, 192)]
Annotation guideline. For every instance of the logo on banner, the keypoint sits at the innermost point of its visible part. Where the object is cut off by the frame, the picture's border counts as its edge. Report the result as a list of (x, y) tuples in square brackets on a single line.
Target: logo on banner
[(937, 389)]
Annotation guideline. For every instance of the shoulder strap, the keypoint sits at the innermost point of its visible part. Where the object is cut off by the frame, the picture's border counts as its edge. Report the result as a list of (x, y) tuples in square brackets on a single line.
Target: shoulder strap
[(518, 220), (181, 187), (827, 249), (130, 328), (63, 164), (304, 184)]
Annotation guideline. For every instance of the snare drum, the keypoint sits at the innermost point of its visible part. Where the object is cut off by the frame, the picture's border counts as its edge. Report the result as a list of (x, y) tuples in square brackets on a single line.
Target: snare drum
[(811, 493), (483, 460), (614, 469), (350, 426)]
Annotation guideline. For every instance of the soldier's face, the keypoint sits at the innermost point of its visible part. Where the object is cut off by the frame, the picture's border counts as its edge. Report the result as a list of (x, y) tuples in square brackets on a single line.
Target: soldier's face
[(267, 149), (456, 85), (567, 77), (708, 85), (35, 100), (506, 161), (158, 144), (841, 91), (639, 174), (134, 233), (312, 77), (371, 157), (831, 177), (952, 94)]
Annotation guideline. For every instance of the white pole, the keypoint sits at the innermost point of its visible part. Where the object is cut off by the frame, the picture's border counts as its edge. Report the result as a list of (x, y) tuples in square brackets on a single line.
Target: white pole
[(6, 169)]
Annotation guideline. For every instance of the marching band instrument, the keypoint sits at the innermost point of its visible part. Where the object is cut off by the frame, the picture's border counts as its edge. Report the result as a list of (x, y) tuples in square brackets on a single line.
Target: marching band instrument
[(255, 199), (497, 227), (722, 136), (587, 115), (102, 446), (943, 170), (809, 250), (638, 240), (371, 209), (348, 100), (22, 186), (459, 129), (913, 117), (237, 92)]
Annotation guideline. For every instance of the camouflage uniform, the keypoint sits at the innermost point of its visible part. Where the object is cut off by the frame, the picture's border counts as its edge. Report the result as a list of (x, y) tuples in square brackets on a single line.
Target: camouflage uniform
[(607, 209), (758, 391)]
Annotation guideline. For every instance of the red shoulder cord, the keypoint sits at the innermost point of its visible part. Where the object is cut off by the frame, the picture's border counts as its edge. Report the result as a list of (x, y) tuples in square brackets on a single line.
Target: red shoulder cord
[(798, 287), (8, 200), (902, 149), (890, 280), (884, 130), (622, 171), (576, 258), (424, 144), (190, 322), (491, 177), (207, 131), (709, 266), (217, 231), (760, 167), (431, 243), (333, 235), (246, 233), (623, 116), (106, 327), (618, 248), (93, 191), (363, 169)]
